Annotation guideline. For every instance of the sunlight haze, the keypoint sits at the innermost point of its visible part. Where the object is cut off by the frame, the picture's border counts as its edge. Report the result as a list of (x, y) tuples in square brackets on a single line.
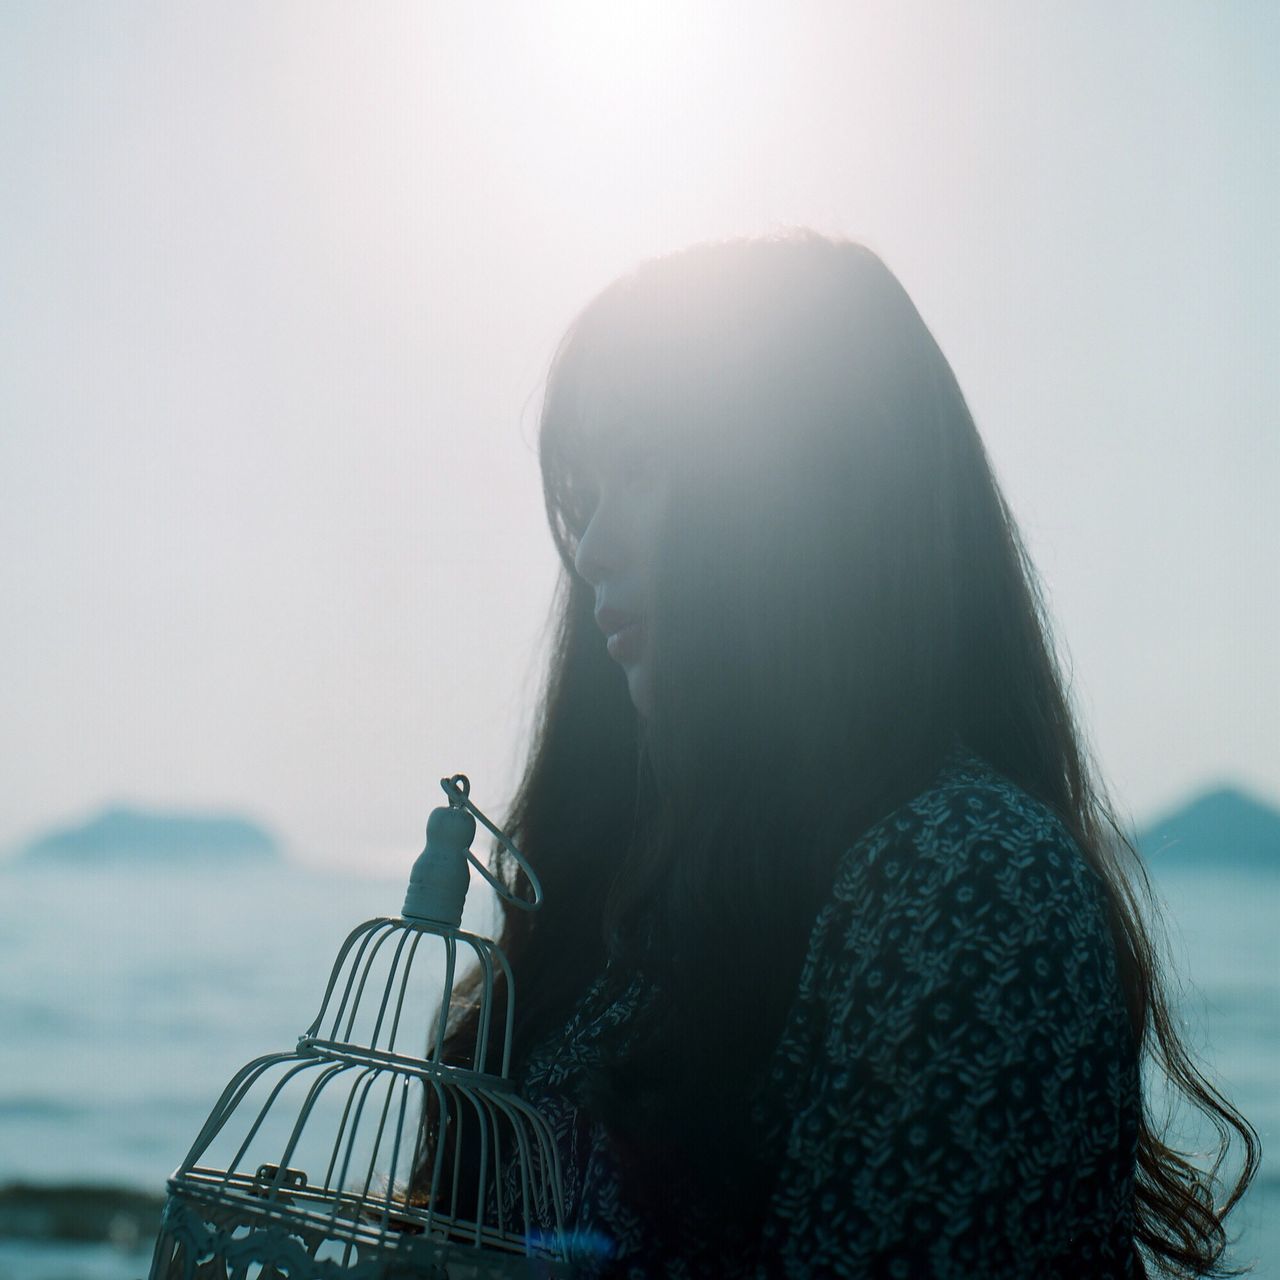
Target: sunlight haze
[(279, 285)]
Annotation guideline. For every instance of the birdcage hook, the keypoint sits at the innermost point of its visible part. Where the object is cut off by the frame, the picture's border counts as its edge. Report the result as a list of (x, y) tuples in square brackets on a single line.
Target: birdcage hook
[(458, 789)]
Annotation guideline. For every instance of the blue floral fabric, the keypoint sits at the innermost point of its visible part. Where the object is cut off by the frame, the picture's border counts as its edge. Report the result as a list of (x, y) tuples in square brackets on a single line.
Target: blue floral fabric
[(956, 1090)]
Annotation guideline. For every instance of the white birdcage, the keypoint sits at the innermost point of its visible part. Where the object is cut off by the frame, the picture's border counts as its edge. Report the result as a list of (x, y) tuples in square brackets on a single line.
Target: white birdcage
[(361, 1154)]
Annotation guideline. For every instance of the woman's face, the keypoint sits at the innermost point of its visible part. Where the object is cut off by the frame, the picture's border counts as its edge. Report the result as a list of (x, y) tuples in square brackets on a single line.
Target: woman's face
[(616, 556)]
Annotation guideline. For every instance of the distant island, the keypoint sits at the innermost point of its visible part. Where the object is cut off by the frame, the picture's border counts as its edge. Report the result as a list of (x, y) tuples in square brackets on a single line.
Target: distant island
[(122, 836), (1222, 828)]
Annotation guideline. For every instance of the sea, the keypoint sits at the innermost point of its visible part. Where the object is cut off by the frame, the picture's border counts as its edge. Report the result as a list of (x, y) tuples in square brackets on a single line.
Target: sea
[(129, 997)]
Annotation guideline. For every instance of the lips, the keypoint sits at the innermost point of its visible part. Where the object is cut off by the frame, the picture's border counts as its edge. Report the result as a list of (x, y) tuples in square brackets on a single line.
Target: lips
[(625, 633), (625, 645), (611, 621)]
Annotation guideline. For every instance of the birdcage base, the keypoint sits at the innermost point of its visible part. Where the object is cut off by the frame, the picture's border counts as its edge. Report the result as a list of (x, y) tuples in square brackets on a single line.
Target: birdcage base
[(203, 1236)]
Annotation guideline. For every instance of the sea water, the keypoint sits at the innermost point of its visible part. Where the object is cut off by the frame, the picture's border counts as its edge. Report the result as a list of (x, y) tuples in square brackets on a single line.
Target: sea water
[(128, 998)]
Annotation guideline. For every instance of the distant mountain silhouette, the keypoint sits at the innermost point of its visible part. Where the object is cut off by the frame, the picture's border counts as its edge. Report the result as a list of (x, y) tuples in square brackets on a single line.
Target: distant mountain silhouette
[(122, 836), (1222, 828)]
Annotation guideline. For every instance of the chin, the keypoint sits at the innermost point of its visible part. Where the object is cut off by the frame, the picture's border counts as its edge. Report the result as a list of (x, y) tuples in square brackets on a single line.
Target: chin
[(638, 687)]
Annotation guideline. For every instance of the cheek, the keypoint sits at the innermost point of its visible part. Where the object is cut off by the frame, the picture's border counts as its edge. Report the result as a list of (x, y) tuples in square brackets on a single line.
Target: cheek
[(650, 527)]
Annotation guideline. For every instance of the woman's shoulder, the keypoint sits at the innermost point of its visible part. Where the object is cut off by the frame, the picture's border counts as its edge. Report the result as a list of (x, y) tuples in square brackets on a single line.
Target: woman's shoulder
[(972, 874), (971, 820)]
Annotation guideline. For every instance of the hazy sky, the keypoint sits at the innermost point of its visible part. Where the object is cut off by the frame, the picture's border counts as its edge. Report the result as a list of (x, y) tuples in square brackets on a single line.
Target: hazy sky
[(279, 284)]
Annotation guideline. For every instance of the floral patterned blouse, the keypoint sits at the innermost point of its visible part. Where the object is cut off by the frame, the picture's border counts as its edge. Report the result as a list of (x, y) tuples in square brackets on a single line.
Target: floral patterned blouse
[(956, 1090)]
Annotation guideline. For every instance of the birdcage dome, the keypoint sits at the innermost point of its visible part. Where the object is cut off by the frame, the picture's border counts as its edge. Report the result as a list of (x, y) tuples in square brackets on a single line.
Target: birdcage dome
[(362, 1153)]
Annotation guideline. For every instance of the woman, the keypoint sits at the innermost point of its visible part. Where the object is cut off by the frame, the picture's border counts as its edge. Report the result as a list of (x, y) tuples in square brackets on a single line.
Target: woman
[(840, 971)]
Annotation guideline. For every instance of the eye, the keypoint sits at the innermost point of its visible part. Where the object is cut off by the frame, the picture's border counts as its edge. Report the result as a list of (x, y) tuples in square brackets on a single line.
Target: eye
[(638, 465), (629, 467)]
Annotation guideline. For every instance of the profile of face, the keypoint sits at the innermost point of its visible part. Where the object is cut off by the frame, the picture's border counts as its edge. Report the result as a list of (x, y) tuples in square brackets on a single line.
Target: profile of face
[(616, 556)]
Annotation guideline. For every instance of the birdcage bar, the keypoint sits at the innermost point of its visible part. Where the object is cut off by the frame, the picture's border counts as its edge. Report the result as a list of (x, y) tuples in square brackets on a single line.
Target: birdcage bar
[(387, 1197), (366, 941), (438, 1160), (221, 1110), (304, 1113), (342, 1129), (405, 935), (482, 1029), (390, 928), (360, 931), (522, 1147), (483, 1121), (404, 986), (547, 1152), (351, 1139), (395, 1149), (263, 1112), (446, 999)]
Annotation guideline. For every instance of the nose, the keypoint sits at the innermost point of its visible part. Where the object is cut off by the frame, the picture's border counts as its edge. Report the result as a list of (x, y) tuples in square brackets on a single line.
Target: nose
[(600, 549)]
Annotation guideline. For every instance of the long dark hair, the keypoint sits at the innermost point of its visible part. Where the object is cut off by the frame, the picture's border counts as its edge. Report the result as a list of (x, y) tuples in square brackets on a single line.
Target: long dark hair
[(841, 595)]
